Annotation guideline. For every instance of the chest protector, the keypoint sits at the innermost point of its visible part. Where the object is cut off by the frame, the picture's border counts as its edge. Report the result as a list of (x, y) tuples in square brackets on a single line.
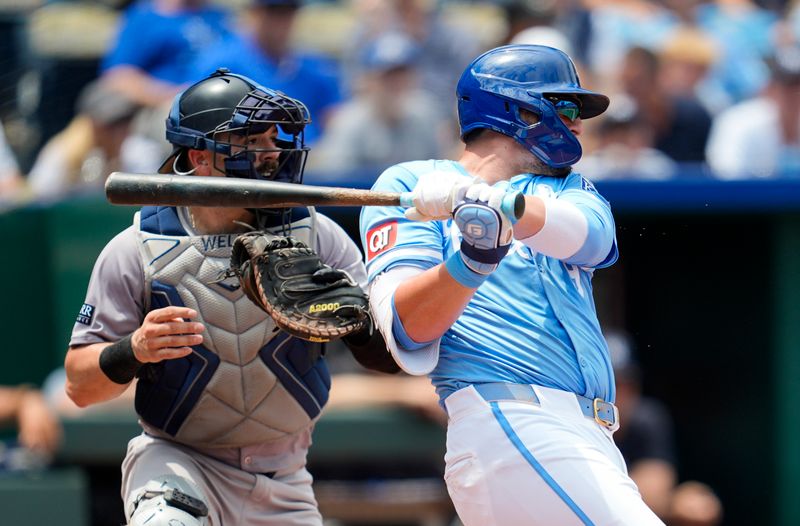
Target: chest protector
[(249, 382)]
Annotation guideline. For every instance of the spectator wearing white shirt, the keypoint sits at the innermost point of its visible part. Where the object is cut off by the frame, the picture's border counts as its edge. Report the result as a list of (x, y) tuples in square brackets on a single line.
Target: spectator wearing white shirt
[(760, 137)]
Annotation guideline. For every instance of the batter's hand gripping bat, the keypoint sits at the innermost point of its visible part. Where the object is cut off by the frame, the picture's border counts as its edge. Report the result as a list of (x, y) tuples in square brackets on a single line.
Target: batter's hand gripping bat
[(194, 190)]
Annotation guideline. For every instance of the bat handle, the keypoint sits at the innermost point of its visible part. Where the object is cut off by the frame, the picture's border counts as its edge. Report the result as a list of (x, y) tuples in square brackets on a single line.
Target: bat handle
[(513, 205)]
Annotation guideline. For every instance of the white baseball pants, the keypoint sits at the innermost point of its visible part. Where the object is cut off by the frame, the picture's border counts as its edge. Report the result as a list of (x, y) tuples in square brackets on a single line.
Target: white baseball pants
[(535, 460)]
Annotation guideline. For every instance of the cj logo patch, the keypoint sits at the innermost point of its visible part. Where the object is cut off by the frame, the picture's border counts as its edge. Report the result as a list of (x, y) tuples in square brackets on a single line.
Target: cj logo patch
[(86, 314), (380, 239)]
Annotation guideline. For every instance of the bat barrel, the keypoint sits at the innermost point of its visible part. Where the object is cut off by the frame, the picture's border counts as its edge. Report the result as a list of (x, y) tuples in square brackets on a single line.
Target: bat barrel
[(192, 190), (195, 190)]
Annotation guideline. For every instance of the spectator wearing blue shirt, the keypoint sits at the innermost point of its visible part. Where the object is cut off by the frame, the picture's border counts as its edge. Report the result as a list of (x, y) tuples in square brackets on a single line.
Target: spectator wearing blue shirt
[(156, 46), (262, 52), (744, 32)]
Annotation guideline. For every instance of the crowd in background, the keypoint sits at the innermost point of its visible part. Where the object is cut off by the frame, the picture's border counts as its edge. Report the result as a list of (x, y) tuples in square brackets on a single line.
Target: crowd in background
[(698, 89)]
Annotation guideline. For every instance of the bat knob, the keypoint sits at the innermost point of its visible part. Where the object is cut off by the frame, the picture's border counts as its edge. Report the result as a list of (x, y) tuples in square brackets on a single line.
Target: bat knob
[(513, 206)]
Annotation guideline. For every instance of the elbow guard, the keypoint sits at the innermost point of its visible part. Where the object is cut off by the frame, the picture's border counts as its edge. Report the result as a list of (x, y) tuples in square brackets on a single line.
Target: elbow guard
[(571, 236)]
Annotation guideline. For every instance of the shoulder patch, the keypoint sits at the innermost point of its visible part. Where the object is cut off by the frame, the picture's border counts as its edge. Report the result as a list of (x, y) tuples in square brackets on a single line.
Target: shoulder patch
[(587, 185), (86, 314), (381, 238)]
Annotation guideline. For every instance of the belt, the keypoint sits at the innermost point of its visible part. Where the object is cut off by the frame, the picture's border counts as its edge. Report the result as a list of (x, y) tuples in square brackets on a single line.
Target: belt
[(602, 412)]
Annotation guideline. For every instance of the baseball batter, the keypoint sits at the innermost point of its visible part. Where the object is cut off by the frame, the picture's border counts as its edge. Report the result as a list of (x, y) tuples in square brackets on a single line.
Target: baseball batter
[(501, 315), (226, 400)]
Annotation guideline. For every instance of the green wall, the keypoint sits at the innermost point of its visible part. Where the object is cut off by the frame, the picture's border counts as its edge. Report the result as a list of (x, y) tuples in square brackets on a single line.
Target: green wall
[(46, 262)]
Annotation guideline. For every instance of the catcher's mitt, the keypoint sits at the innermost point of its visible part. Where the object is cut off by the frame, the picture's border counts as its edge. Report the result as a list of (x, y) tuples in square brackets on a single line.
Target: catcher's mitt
[(304, 296)]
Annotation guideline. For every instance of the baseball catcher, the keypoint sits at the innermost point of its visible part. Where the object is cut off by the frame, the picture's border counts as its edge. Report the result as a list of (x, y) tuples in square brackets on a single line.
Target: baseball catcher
[(228, 390), (304, 296)]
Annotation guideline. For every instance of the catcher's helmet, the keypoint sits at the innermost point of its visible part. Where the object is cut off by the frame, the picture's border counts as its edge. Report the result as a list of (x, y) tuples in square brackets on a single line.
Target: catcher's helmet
[(207, 114), (497, 84)]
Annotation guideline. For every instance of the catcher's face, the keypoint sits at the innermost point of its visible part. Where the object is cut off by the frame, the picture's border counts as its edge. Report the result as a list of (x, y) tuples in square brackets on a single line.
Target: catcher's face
[(218, 220), (260, 147)]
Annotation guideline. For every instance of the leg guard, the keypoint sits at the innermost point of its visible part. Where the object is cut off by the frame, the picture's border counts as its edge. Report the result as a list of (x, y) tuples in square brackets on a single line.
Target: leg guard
[(169, 500)]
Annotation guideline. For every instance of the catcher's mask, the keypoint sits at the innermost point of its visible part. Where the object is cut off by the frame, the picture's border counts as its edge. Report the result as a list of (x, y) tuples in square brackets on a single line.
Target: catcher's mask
[(540, 79), (224, 113)]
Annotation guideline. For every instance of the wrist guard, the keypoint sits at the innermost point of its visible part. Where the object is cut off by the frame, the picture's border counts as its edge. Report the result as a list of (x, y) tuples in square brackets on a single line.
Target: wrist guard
[(118, 362)]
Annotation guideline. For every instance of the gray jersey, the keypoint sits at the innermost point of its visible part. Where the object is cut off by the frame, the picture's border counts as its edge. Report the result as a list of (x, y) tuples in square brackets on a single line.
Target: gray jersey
[(236, 402)]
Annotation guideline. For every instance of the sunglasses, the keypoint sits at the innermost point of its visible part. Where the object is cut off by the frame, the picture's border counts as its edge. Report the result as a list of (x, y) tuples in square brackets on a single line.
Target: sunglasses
[(568, 108)]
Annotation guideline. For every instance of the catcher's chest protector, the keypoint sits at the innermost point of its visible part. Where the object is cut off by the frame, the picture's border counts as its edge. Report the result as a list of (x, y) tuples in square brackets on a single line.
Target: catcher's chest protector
[(247, 383)]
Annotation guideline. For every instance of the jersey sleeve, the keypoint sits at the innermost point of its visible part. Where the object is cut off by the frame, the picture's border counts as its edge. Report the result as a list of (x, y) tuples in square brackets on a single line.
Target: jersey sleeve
[(599, 250), (115, 299), (389, 239), (339, 251)]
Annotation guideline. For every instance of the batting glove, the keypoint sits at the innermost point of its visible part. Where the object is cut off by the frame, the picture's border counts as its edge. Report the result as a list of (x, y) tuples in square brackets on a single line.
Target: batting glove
[(486, 232), (437, 194)]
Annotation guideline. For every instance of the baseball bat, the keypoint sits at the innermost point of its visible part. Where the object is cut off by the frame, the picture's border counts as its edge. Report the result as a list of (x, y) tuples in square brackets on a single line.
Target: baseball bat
[(195, 190)]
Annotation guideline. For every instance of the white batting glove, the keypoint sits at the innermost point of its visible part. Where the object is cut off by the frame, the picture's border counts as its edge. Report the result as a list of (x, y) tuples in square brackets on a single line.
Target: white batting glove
[(485, 230), (436, 195)]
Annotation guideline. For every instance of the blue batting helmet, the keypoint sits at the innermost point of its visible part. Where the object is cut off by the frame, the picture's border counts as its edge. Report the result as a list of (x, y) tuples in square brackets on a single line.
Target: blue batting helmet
[(498, 84), (209, 114)]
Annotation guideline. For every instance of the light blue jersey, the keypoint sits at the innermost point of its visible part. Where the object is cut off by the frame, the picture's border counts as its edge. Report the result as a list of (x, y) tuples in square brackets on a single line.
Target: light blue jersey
[(533, 321)]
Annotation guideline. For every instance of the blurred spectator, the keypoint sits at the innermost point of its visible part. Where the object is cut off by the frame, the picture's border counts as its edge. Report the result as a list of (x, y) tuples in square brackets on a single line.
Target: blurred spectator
[(543, 36), (564, 25), (39, 430), (687, 57), (444, 49), (624, 147), (98, 141), (364, 390), (389, 119), (156, 46), (646, 440), (619, 25), (761, 137), (743, 32), (12, 185), (55, 393), (680, 123), (261, 50)]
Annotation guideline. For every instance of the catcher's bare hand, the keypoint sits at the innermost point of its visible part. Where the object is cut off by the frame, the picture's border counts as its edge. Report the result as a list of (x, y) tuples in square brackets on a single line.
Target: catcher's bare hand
[(165, 334)]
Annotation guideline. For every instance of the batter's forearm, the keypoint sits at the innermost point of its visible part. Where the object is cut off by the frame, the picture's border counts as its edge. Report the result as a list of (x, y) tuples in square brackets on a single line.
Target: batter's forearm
[(87, 384), (430, 303), (532, 220)]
